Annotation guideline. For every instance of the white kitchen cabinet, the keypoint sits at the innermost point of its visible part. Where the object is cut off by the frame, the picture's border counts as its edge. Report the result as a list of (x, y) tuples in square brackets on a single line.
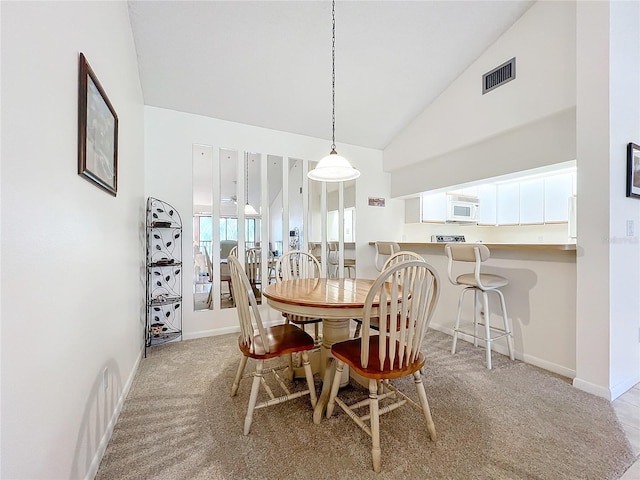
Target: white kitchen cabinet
[(412, 210), (434, 207), (557, 191), (487, 213), (508, 203), (532, 201)]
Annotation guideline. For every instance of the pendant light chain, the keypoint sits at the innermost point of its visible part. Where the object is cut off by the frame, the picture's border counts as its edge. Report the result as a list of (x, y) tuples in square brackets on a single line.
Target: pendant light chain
[(333, 167), (333, 75)]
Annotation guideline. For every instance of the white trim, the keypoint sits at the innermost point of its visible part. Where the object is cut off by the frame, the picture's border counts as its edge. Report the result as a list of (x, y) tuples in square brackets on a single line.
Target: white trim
[(104, 441), (624, 386), (592, 388), (497, 347)]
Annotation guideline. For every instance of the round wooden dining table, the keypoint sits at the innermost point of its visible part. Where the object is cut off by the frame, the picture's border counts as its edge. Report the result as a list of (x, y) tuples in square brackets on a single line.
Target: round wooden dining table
[(336, 301)]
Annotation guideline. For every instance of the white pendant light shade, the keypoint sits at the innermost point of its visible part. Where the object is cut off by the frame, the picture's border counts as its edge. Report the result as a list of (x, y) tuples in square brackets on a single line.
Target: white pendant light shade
[(249, 211), (333, 168)]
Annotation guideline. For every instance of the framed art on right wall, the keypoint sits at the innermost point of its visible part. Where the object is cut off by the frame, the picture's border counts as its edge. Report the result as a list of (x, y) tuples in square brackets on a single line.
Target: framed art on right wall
[(633, 170)]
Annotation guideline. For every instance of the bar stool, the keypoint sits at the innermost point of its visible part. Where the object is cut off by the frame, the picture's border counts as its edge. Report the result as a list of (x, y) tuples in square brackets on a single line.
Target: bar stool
[(383, 251), (479, 284)]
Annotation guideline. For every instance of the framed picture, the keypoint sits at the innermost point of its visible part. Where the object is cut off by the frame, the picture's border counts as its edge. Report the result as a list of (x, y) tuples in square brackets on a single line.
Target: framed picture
[(633, 170), (97, 132), (376, 202)]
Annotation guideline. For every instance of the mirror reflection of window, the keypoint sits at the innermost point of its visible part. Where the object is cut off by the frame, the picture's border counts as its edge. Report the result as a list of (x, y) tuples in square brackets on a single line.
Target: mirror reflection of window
[(228, 225), (202, 163), (296, 229), (274, 180), (252, 223)]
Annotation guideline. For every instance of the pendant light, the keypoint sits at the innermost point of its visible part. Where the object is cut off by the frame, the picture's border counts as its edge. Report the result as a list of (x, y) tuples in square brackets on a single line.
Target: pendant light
[(249, 211), (333, 167)]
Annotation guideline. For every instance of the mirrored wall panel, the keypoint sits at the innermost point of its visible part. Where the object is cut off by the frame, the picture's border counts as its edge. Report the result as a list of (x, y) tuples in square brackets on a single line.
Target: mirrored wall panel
[(228, 224), (274, 181), (202, 225)]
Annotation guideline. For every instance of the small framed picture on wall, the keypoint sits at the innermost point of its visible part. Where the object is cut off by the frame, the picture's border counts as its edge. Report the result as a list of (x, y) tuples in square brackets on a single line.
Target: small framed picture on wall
[(633, 170)]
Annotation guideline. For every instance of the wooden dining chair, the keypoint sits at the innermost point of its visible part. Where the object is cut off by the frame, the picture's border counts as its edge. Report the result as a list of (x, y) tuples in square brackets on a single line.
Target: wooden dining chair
[(407, 291), (260, 344), (293, 265), (401, 256)]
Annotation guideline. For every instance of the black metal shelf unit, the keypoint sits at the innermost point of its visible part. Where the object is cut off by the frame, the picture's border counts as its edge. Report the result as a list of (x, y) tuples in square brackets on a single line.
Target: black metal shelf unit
[(164, 274)]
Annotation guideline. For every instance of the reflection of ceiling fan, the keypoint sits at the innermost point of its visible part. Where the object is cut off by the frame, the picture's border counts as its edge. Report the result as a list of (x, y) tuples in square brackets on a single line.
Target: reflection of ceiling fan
[(232, 199)]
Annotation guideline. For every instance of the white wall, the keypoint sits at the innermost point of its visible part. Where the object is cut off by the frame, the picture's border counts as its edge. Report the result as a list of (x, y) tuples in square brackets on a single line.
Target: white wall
[(72, 255), (608, 106), (543, 42), (575, 96), (169, 136)]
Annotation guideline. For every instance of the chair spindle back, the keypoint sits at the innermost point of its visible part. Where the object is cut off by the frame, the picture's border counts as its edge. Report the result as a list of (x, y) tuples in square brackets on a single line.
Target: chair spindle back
[(296, 264), (406, 292), (246, 304)]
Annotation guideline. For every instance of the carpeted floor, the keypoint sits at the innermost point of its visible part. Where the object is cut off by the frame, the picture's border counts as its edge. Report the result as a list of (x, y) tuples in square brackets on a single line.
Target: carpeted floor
[(513, 422)]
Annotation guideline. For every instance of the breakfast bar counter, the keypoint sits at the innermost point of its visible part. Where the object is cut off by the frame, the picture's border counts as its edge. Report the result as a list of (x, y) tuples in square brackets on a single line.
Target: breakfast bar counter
[(540, 298), (494, 246)]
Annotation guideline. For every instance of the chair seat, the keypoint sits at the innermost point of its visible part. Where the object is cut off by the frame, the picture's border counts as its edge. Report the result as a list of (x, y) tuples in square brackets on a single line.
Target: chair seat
[(300, 320), (349, 352), (282, 339), (488, 280)]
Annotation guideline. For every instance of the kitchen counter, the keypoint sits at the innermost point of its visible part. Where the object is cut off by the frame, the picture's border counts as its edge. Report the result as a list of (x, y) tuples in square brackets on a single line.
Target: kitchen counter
[(492, 246), (540, 297)]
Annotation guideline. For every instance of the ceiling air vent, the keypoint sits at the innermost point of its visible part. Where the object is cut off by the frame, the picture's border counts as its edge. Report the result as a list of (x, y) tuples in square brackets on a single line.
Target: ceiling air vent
[(499, 76)]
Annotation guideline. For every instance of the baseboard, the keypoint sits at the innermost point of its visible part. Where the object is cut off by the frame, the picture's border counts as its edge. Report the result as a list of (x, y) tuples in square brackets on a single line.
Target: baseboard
[(624, 386), (210, 333), (592, 388), (224, 330), (104, 441), (500, 347)]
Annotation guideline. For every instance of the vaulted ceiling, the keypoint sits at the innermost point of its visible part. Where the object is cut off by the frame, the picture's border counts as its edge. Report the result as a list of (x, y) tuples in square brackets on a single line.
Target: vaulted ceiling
[(268, 63)]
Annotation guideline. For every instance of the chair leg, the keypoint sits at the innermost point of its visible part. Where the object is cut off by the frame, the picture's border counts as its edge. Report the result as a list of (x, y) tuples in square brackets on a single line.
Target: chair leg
[(316, 331), (357, 332), (476, 304), (457, 325), (507, 327), (422, 395), (309, 374), (487, 328), (254, 396), (376, 453), (334, 387), (236, 382)]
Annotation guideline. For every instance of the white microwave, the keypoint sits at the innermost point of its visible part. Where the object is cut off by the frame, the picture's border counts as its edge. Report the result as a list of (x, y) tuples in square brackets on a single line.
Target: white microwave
[(462, 208)]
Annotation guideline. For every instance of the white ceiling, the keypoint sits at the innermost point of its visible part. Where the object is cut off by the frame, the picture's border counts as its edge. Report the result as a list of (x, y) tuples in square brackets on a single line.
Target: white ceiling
[(268, 63)]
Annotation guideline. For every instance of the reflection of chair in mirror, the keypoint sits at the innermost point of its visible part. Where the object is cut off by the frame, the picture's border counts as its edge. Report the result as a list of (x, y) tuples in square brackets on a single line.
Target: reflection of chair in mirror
[(398, 257), (480, 284), (315, 249), (253, 268), (388, 355), (333, 257), (261, 344), (227, 247), (383, 251)]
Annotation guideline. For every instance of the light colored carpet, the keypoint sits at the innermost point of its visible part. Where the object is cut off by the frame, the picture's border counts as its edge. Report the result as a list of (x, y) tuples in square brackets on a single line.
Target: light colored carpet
[(513, 422)]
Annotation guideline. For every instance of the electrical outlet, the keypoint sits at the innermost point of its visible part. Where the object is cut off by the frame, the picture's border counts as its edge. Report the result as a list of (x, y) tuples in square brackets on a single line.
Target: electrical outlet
[(105, 379), (631, 228)]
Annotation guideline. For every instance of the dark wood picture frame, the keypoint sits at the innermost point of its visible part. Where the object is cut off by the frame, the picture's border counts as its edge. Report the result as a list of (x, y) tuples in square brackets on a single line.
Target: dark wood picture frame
[(97, 132), (633, 170)]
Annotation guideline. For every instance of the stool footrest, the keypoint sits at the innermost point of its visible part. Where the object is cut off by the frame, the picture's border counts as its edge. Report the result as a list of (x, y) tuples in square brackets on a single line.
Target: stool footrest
[(503, 333)]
